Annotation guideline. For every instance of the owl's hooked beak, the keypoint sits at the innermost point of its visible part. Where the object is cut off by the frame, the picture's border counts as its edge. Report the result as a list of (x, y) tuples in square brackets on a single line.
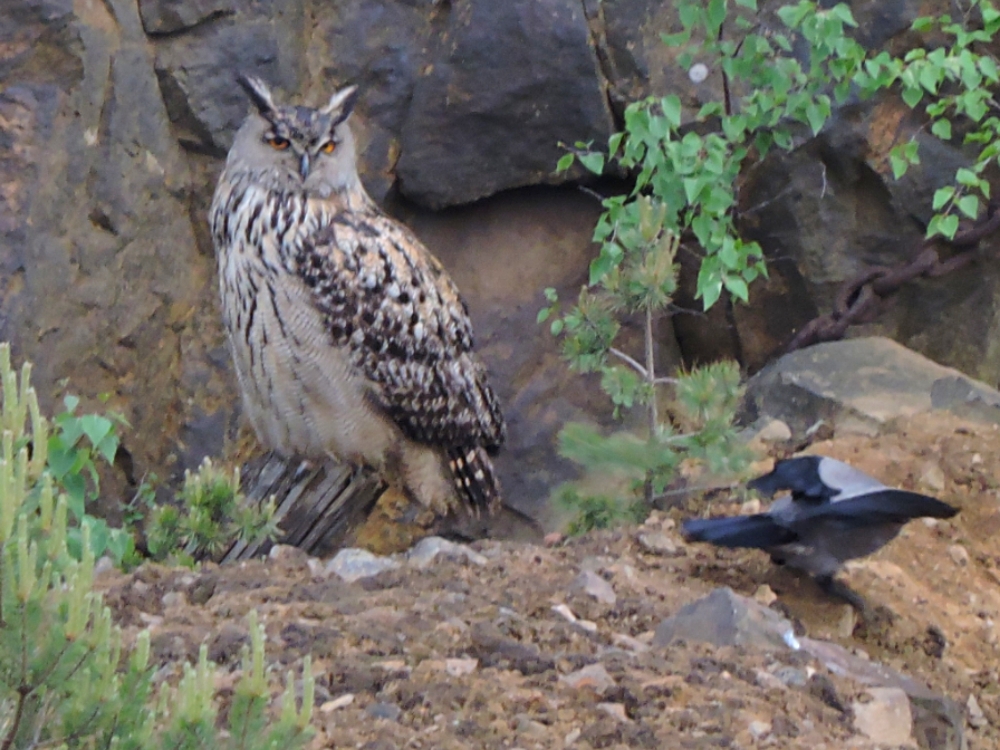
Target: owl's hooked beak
[(304, 165)]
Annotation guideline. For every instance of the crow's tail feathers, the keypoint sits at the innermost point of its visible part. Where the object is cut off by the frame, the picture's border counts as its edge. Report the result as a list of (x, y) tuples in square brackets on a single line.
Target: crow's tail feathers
[(759, 531)]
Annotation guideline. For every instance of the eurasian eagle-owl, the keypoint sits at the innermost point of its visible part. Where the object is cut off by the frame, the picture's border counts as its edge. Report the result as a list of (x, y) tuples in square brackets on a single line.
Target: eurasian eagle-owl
[(348, 337)]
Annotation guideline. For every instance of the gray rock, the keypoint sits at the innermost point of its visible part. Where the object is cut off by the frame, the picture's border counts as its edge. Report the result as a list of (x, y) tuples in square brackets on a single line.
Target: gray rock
[(724, 618), (353, 564), (428, 550), (591, 583), (861, 383), (509, 82), (938, 722), (197, 77), (380, 710), (593, 677)]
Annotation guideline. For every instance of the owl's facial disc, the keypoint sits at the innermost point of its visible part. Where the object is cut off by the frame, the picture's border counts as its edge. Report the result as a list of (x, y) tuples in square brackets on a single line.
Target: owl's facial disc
[(307, 135)]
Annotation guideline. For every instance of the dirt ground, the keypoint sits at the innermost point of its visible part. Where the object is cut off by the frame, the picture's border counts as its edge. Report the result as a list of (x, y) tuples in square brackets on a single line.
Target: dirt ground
[(465, 655)]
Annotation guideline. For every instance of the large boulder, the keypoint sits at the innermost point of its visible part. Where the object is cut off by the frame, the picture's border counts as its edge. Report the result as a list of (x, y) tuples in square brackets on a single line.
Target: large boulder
[(862, 384), (505, 79)]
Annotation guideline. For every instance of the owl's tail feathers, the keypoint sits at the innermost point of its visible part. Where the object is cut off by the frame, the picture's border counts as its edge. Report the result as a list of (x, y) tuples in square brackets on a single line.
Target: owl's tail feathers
[(475, 479)]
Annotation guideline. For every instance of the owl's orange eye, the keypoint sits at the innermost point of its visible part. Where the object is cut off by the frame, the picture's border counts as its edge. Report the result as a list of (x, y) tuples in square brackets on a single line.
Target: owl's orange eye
[(278, 143), (328, 148)]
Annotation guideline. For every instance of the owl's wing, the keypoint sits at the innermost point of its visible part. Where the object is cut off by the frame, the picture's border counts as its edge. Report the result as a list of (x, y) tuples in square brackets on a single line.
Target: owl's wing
[(387, 299)]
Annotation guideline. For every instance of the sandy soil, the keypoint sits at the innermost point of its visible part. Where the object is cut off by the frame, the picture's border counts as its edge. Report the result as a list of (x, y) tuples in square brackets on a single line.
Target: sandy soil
[(466, 655)]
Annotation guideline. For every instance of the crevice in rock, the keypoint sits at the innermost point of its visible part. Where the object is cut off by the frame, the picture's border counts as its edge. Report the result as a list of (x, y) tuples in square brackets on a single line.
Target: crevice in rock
[(109, 6), (593, 12), (211, 18)]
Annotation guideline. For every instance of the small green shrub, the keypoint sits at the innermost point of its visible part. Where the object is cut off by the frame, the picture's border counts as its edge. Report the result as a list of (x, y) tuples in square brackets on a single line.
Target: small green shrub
[(66, 680), (210, 515)]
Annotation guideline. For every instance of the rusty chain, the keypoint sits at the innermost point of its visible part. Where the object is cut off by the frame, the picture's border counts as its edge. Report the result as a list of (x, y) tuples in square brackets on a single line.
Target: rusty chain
[(858, 299)]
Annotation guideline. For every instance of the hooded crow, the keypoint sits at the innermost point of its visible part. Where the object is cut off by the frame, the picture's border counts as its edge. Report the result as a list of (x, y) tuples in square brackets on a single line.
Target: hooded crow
[(834, 513)]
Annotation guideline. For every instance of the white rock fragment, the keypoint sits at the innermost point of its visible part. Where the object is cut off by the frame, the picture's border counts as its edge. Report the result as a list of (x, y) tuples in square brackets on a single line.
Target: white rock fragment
[(572, 736), (626, 641), (932, 476), (460, 667), (342, 701), (426, 551), (959, 555), (698, 72), (977, 719), (657, 543), (885, 717), (591, 583), (353, 564), (615, 711), (750, 507), (759, 728), (567, 613)]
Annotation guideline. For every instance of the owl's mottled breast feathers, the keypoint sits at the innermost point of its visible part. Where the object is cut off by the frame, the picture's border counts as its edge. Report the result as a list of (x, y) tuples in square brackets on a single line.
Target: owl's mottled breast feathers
[(406, 326)]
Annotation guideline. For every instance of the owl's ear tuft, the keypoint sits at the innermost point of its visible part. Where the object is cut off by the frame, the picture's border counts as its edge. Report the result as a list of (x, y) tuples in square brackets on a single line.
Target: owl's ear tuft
[(341, 104), (259, 93)]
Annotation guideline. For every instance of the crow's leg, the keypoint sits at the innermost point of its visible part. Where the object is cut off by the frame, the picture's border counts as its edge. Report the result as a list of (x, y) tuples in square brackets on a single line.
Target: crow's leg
[(841, 590)]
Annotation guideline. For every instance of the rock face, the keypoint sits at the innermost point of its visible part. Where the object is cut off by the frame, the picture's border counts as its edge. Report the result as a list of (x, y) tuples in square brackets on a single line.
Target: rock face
[(115, 118)]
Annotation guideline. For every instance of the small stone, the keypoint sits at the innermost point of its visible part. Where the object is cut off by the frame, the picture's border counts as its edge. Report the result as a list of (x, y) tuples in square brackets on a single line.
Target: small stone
[(626, 641), (459, 667), (529, 727), (591, 583), (764, 595), (977, 719), (846, 622), (657, 543), (750, 507), (773, 431), (614, 710), (885, 717), (173, 599), (567, 613), (392, 665), (317, 568), (104, 565), (341, 701), (353, 564), (287, 554), (759, 729), (552, 539), (932, 476), (572, 736), (791, 676), (380, 710), (592, 677), (427, 550), (768, 681), (959, 555)]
